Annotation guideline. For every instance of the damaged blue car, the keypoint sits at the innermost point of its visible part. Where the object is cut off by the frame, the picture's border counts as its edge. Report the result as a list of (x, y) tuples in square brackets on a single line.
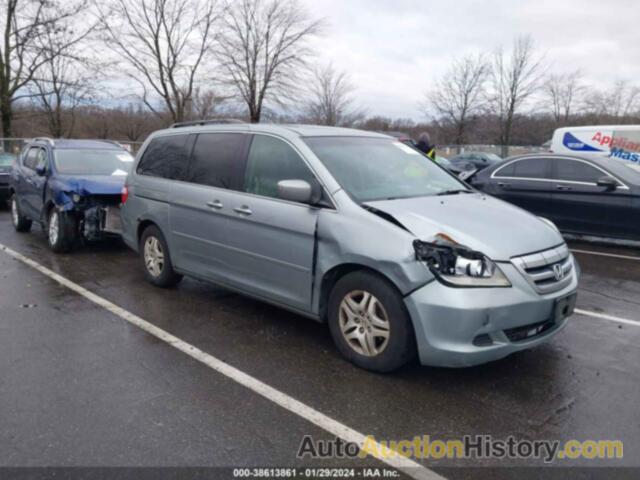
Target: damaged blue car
[(72, 188)]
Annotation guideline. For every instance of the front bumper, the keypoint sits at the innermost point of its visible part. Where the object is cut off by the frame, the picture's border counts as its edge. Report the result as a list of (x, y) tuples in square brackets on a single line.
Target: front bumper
[(460, 327)]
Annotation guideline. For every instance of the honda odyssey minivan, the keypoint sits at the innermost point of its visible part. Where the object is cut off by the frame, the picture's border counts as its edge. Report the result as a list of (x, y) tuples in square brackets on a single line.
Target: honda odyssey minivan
[(351, 228)]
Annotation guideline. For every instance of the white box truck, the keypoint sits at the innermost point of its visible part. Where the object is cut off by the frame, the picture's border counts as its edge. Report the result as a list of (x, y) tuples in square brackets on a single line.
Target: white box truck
[(617, 141)]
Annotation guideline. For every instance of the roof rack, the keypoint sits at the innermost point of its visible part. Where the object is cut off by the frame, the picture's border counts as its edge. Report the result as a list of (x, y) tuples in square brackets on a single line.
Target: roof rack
[(44, 139), (211, 121)]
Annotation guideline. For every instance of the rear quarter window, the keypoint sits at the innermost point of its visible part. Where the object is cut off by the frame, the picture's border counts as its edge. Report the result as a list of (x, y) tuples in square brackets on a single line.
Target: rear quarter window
[(165, 157)]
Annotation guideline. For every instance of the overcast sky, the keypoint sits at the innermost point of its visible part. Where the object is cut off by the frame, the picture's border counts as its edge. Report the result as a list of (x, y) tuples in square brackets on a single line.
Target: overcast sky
[(393, 49)]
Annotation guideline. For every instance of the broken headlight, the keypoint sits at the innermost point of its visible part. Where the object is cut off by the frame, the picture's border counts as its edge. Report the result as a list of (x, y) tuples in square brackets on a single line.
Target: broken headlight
[(459, 266)]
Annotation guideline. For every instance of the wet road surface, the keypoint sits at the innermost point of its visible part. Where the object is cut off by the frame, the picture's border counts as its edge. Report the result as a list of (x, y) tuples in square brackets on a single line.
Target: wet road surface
[(82, 387)]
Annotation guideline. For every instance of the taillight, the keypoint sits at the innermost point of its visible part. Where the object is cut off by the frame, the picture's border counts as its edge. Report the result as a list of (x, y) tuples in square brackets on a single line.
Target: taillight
[(124, 194)]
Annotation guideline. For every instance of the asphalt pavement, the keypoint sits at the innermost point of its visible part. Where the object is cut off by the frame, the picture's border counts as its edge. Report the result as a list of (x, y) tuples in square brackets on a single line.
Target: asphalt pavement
[(80, 386)]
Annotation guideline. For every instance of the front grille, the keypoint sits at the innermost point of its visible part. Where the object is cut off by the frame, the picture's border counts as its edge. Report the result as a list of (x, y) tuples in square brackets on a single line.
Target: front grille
[(547, 271), (528, 332)]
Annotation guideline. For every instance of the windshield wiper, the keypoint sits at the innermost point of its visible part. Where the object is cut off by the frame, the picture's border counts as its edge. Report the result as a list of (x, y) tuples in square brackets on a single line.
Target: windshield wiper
[(454, 192)]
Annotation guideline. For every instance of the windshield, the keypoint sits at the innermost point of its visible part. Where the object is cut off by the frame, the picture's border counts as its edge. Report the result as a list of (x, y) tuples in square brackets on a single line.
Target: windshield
[(93, 162), (379, 169), (6, 159)]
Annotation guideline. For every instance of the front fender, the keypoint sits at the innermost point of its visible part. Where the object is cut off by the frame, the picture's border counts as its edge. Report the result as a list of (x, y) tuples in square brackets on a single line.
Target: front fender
[(362, 238)]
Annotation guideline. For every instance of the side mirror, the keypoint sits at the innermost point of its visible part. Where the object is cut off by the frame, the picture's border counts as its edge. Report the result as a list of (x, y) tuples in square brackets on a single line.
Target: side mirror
[(609, 183), (41, 170), (295, 191)]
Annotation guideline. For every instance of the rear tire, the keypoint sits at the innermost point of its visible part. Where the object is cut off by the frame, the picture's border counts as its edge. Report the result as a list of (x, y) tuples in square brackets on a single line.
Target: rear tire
[(369, 322), (20, 222), (156, 260), (61, 230)]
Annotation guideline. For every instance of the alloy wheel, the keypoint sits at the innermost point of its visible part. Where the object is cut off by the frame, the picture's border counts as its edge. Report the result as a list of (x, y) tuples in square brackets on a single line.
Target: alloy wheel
[(153, 256), (15, 216), (364, 323), (54, 227)]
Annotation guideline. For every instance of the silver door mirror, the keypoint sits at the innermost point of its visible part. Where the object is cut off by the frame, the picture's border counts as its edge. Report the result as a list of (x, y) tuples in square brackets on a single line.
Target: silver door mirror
[(295, 191)]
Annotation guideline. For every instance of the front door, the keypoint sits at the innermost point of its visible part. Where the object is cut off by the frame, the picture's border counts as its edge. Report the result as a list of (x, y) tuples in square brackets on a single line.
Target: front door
[(271, 241), (583, 207), (31, 193)]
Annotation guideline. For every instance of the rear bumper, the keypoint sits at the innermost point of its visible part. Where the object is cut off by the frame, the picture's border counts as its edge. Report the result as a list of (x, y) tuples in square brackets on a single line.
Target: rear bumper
[(459, 327)]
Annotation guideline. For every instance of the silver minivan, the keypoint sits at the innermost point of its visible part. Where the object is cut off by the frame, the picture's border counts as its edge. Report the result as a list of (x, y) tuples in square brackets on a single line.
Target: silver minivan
[(351, 228)]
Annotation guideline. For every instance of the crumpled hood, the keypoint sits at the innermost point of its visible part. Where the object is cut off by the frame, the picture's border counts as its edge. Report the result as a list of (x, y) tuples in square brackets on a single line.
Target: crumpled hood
[(480, 222), (92, 185)]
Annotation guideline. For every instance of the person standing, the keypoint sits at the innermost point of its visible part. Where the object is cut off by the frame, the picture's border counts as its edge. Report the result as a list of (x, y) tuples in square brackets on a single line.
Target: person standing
[(425, 146)]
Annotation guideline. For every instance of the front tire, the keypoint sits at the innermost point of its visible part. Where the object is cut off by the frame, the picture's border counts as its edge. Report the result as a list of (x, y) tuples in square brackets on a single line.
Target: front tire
[(61, 231), (20, 222), (369, 322), (156, 260)]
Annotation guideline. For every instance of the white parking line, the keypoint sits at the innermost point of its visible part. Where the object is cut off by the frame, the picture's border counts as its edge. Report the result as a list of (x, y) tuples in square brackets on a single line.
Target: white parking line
[(602, 254), (610, 318), (409, 467)]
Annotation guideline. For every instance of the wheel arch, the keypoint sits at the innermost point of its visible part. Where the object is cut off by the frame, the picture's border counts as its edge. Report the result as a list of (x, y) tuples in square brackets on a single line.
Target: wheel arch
[(142, 226), (331, 277)]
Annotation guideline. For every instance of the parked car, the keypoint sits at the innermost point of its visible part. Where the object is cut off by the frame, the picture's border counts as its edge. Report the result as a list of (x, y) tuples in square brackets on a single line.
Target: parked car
[(448, 165), (71, 187), (6, 162), (352, 228), (475, 160), (581, 195)]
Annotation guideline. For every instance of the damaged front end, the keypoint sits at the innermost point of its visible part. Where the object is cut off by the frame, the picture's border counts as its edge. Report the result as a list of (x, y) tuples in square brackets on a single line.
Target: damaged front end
[(96, 216)]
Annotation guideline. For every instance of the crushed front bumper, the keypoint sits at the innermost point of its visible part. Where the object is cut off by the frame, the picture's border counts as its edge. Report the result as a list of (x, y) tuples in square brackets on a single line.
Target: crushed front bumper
[(459, 327), (99, 221)]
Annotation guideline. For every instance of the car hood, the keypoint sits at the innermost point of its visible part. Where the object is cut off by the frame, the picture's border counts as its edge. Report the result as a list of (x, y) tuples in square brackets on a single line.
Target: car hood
[(92, 185), (480, 222)]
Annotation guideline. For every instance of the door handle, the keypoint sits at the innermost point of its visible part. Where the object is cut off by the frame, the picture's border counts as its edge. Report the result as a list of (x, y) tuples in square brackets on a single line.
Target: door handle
[(243, 210), (562, 187), (215, 204), (503, 185)]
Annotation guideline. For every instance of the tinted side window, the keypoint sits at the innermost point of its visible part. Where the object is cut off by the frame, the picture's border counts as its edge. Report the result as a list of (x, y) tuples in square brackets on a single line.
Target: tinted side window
[(271, 160), (575, 171), (31, 158), (217, 160), (165, 157), (526, 168)]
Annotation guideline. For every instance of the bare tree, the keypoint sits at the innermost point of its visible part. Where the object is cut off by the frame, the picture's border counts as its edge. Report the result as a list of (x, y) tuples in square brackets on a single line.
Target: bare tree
[(23, 54), (134, 122), (562, 92), (515, 77), (264, 49), (63, 83), (331, 99), (620, 101), (459, 95), (165, 44), (206, 103)]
